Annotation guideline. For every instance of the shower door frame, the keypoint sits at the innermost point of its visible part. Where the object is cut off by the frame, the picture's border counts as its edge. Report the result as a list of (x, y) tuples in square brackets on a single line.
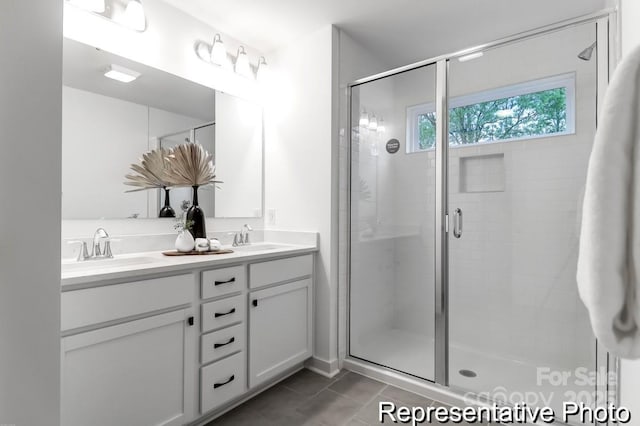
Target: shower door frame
[(608, 54)]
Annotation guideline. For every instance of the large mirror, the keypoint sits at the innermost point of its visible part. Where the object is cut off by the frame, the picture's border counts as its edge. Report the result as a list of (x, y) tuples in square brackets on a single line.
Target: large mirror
[(108, 124)]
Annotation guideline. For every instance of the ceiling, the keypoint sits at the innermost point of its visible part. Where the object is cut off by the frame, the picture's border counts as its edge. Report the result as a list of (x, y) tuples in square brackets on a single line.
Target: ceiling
[(398, 31), (84, 67)]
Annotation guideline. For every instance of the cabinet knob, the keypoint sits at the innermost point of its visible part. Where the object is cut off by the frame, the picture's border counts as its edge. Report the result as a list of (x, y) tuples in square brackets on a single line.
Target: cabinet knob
[(255, 302), (190, 321)]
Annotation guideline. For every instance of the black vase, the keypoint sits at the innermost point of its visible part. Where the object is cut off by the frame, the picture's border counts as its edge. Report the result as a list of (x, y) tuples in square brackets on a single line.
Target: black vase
[(196, 214), (166, 210)]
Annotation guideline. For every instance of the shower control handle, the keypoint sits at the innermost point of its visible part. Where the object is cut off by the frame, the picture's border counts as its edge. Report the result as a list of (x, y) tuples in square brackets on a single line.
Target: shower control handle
[(457, 223)]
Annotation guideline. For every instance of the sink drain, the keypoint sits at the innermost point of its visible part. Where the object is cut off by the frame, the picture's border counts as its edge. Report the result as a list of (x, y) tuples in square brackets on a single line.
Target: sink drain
[(467, 373)]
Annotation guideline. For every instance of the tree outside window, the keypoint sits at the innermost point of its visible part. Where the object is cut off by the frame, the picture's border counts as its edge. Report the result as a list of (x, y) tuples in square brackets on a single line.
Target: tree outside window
[(533, 114)]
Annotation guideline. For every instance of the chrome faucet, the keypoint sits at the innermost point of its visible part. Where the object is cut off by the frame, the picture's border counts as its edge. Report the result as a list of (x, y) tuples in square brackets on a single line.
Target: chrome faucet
[(98, 236), (242, 237), (97, 252)]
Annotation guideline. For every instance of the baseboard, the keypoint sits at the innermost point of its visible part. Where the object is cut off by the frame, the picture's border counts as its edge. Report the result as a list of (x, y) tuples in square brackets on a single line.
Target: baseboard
[(428, 390), (325, 368)]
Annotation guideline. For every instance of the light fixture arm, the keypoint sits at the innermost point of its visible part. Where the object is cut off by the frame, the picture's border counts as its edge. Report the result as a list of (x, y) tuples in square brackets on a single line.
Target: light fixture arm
[(125, 13)]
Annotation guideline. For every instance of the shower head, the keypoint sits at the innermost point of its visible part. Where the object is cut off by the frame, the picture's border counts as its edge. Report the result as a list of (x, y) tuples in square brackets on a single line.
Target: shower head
[(585, 55)]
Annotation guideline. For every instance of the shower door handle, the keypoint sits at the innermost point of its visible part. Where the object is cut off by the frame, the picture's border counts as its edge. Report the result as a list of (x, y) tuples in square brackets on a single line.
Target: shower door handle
[(457, 223)]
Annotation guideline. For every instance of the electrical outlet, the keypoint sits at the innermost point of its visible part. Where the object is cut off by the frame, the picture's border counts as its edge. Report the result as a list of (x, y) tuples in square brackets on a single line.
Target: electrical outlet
[(271, 216)]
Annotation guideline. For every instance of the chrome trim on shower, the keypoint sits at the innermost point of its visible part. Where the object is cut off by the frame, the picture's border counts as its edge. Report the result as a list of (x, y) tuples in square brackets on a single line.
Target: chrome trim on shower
[(457, 223), (441, 226), (605, 13), (606, 60), (349, 147)]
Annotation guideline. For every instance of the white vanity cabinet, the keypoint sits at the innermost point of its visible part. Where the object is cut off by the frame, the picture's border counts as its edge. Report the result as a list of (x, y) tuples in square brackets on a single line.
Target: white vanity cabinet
[(223, 342), (180, 346), (280, 316), (135, 372)]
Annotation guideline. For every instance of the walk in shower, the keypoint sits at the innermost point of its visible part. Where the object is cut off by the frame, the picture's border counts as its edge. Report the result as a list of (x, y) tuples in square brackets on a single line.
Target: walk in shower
[(466, 182)]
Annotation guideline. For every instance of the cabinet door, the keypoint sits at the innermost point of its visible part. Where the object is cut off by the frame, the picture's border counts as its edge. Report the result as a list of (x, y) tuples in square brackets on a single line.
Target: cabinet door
[(280, 329), (132, 374)]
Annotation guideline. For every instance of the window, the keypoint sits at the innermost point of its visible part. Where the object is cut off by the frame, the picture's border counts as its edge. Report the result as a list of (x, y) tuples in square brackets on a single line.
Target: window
[(533, 109)]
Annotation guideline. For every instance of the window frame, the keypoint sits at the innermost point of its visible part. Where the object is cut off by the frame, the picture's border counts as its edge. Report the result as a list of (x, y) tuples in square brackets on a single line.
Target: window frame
[(566, 81)]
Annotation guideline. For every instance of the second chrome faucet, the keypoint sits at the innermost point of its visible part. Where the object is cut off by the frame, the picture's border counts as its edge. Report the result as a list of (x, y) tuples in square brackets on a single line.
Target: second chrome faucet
[(242, 237)]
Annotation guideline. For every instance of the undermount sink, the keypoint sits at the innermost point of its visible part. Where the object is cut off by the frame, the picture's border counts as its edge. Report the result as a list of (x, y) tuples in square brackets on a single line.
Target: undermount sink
[(106, 263), (261, 247)]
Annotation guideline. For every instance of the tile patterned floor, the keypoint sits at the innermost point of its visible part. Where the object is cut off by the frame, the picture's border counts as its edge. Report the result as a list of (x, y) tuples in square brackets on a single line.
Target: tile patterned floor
[(309, 399)]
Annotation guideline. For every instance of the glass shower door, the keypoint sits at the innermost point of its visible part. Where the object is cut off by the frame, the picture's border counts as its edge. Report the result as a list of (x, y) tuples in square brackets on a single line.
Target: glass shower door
[(391, 315), (521, 125)]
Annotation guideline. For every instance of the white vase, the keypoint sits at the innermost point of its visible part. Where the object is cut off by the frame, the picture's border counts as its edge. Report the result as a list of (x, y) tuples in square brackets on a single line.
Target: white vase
[(185, 242)]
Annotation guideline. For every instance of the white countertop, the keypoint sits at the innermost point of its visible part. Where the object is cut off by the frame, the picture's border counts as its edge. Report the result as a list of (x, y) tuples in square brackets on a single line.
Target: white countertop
[(82, 274)]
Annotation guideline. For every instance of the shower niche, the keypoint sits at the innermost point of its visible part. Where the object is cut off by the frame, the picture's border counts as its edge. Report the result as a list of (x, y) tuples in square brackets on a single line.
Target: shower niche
[(482, 173)]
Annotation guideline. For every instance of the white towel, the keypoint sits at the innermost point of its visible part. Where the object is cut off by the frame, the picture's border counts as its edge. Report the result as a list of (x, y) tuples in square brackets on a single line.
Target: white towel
[(609, 262)]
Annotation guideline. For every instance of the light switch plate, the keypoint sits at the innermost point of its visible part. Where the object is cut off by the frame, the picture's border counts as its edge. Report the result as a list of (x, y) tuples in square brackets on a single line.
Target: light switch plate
[(271, 216)]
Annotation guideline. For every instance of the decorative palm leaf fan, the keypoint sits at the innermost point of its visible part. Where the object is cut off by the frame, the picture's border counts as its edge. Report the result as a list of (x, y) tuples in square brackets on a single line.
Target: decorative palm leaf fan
[(151, 172), (191, 165)]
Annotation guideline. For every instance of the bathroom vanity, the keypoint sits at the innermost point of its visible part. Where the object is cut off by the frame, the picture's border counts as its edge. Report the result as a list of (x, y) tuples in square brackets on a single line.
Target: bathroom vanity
[(154, 340)]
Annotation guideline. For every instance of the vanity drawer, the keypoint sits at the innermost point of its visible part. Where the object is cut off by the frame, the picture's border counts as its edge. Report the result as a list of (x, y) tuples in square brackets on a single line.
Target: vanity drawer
[(274, 271), (223, 342), (80, 308), (222, 313), (222, 381), (219, 282)]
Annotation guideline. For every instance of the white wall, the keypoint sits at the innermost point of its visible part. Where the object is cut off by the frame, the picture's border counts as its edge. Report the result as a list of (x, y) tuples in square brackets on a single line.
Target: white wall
[(630, 31), (630, 370), (30, 134), (300, 158)]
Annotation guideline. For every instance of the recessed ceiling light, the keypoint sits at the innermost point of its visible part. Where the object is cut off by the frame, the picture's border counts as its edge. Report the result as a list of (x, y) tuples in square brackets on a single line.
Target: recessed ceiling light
[(122, 74), (470, 56)]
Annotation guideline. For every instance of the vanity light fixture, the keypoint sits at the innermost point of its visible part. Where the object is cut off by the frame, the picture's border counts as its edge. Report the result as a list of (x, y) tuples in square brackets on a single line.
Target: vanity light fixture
[(263, 69), (203, 51), (373, 123), (122, 74), (242, 66), (364, 119), (128, 13), (134, 16), (381, 128), (216, 54), (470, 57), (96, 6), (218, 51)]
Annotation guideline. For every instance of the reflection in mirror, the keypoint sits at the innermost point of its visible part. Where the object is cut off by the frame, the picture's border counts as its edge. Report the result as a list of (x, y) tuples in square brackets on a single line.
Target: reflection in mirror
[(238, 159), (180, 198), (108, 125)]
